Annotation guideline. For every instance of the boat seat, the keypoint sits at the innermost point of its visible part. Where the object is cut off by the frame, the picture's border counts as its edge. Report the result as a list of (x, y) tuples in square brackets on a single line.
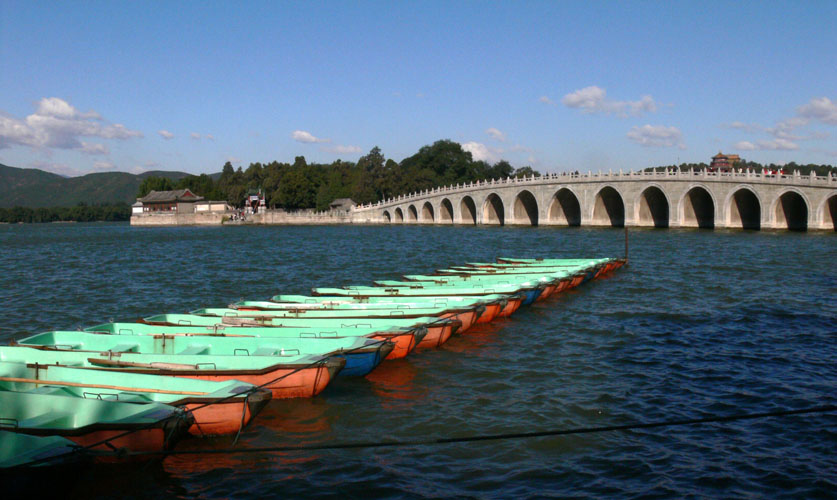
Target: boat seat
[(129, 397), (125, 348), (195, 349), (47, 420), (265, 351), (52, 390)]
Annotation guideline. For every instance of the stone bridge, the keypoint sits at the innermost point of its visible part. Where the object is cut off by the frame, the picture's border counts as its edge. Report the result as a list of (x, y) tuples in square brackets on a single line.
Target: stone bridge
[(743, 199)]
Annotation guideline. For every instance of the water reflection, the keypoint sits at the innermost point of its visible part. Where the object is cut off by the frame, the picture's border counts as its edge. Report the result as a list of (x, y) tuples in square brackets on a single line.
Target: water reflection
[(394, 383)]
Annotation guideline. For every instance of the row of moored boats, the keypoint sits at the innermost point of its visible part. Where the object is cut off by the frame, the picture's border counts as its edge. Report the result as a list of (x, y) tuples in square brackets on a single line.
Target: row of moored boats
[(117, 388)]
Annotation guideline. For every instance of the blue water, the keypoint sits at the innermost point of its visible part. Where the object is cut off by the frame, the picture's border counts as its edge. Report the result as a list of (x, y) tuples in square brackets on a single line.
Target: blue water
[(700, 323)]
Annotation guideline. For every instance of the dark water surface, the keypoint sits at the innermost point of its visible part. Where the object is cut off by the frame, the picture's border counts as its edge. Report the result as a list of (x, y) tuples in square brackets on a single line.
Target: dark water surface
[(701, 323)]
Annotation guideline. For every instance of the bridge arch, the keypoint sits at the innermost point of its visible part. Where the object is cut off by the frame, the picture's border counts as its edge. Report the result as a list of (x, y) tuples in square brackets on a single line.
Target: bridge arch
[(412, 214), (608, 208), (467, 210), (399, 215), (493, 211), (743, 208), (790, 211), (652, 208), (564, 208), (387, 217), (828, 212), (427, 213), (525, 209), (697, 208), (446, 211)]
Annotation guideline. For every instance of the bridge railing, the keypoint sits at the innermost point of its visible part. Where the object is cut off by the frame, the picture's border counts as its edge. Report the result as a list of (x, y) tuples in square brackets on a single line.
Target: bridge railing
[(748, 175)]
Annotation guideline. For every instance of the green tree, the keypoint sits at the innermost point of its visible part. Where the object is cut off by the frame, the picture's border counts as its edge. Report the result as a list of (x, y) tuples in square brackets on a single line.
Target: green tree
[(154, 184)]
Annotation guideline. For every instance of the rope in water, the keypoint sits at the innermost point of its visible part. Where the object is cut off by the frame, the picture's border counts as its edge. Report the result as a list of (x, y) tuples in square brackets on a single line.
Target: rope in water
[(506, 436), (252, 390)]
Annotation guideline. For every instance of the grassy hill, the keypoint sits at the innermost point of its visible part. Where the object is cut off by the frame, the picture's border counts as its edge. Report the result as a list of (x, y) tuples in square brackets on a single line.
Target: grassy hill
[(30, 187)]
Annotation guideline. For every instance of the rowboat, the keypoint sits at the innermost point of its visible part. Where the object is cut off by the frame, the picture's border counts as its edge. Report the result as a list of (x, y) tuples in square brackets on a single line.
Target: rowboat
[(576, 278), (611, 263), (18, 450), (343, 310), (531, 292), (362, 352), (379, 322), (217, 407), (94, 423), (405, 333), (362, 355), (506, 303), (286, 376), (403, 340), (552, 281), (466, 315), (486, 306), (591, 268), (549, 283)]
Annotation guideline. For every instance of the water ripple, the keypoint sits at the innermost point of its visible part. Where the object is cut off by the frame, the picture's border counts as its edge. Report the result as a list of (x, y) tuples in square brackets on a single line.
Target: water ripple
[(701, 323)]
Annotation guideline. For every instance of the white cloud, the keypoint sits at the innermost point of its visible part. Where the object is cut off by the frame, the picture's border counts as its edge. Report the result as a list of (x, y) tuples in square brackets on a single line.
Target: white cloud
[(496, 134), (657, 136), (342, 150), (594, 100), (103, 165), (785, 128), (233, 159), (94, 149), (57, 124), (306, 137), (546, 100), (481, 152), (774, 145), (786, 133), (165, 134), (746, 127), (196, 136), (821, 109), (519, 148), (56, 168)]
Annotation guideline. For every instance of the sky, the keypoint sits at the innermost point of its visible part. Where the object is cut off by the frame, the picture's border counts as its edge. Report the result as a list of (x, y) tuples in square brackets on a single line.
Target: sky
[(559, 85)]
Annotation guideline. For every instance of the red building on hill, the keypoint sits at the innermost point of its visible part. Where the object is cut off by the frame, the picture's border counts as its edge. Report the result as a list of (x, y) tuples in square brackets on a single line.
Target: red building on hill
[(723, 163)]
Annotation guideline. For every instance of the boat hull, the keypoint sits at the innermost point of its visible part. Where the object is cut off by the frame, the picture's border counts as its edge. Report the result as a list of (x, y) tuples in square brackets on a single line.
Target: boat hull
[(283, 383), (220, 418), (361, 362), (438, 335), (403, 344)]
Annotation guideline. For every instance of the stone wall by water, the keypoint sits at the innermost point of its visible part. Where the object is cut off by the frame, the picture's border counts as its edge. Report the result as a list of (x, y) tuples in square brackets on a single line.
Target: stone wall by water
[(267, 217)]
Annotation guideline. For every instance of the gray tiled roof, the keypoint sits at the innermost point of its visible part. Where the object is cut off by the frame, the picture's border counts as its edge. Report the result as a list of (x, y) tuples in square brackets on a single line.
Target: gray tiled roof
[(170, 196)]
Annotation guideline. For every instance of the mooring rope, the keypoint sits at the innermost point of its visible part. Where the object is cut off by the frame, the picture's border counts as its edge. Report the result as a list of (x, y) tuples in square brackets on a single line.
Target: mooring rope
[(504, 436), (248, 392)]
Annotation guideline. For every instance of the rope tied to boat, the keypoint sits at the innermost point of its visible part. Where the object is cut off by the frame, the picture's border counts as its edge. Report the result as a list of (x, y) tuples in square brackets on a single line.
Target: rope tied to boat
[(825, 409), (248, 392)]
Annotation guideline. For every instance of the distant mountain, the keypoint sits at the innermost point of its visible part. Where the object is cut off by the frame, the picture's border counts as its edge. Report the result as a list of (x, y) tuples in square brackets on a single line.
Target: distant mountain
[(30, 187)]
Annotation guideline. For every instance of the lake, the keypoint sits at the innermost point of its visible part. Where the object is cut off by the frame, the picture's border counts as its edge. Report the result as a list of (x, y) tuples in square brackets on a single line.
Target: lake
[(700, 323)]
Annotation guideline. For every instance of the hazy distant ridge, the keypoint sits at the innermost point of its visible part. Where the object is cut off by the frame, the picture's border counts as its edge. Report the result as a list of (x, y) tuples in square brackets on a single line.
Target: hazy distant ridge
[(30, 187)]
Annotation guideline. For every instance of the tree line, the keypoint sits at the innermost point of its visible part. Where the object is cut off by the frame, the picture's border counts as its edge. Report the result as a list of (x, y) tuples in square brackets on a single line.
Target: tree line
[(788, 168), (372, 178), (79, 213)]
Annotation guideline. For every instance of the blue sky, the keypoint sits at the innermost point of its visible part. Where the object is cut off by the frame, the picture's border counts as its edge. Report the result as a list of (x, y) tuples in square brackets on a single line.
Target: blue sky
[(135, 86)]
